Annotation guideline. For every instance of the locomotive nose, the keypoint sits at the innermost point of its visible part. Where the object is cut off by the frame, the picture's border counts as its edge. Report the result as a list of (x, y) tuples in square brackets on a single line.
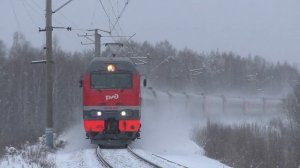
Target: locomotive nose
[(111, 101)]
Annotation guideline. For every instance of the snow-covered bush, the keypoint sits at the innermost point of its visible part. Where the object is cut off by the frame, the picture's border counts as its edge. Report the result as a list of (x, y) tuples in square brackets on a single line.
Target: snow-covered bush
[(37, 154), (250, 145), (29, 155)]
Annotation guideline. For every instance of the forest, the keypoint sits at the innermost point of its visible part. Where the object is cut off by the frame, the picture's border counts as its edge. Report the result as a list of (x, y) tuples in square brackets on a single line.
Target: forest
[(22, 98)]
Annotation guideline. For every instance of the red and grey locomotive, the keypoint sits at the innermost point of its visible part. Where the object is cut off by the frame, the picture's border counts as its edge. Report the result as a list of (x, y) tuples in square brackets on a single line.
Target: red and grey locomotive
[(111, 101)]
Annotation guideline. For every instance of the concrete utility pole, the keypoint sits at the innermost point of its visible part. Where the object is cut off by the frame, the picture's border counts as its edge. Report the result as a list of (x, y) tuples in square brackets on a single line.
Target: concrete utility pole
[(97, 44), (49, 74), (96, 41)]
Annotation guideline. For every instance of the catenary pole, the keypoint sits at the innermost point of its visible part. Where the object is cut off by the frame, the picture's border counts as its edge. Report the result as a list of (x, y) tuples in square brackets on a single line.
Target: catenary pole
[(49, 70), (49, 75), (97, 44)]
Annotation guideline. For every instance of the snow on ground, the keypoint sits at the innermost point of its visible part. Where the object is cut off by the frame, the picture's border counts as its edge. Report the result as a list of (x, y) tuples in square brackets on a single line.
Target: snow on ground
[(121, 159), (166, 131), (78, 152), (185, 159), (84, 158), (184, 153)]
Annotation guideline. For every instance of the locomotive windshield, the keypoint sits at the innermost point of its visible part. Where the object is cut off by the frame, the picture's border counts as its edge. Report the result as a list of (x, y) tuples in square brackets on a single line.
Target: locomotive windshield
[(111, 80)]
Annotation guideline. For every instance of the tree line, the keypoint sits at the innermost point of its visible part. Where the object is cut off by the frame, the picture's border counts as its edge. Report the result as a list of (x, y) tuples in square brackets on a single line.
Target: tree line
[(274, 144), (23, 95), (171, 69)]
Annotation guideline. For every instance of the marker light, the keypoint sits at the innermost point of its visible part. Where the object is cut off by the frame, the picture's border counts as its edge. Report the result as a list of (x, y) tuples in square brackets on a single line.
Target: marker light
[(99, 113), (123, 113), (111, 68)]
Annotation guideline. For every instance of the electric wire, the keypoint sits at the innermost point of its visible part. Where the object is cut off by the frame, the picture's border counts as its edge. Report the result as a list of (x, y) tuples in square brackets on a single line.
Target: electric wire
[(113, 26), (117, 23), (34, 10), (69, 20), (108, 17), (110, 23), (74, 26), (28, 7), (118, 5), (55, 19), (62, 6), (15, 14), (113, 9), (36, 4), (116, 17), (120, 15), (28, 13), (77, 28), (37, 10), (93, 15)]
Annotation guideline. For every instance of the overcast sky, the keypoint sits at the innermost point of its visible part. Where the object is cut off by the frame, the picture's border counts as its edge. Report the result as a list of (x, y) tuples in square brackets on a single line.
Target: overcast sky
[(269, 28)]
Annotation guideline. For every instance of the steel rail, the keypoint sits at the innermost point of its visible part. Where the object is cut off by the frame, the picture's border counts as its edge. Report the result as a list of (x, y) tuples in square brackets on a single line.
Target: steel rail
[(170, 161), (143, 159), (101, 159)]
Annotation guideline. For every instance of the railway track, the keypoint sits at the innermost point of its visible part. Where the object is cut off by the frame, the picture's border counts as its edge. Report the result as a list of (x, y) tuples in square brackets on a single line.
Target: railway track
[(167, 160), (143, 159), (101, 158), (123, 158)]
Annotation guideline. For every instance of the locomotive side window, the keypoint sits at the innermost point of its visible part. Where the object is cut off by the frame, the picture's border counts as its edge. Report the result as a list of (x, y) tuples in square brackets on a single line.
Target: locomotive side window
[(111, 80)]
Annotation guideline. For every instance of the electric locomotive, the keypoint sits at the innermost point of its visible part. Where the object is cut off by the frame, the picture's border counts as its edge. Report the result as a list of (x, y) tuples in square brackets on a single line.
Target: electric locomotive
[(111, 101)]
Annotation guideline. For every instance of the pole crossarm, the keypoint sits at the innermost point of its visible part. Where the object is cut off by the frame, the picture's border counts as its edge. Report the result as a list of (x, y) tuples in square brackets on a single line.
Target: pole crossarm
[(39, 61), (87, 37), (99, 30), (86, 43), (140, 61), (115, 44), (84, 35), (67, 28)]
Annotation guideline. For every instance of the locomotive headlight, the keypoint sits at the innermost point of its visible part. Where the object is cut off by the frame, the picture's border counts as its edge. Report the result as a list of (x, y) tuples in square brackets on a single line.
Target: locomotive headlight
[(123, 113), (111, 68), (99, 113)]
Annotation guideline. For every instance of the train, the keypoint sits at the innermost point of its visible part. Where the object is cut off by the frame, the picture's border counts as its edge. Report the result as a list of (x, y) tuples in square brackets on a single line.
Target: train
[(111, 90)]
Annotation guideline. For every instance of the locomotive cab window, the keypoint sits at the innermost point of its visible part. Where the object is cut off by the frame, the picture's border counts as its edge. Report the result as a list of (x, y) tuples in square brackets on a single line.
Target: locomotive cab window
[(111, 80)]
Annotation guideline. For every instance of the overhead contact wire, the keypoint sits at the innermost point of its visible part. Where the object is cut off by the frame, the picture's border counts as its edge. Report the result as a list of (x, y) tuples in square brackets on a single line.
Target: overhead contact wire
[(28, 13), (109, 20), (120, 15), (93, 16), (116, 17), (15, 14), (36, 4)]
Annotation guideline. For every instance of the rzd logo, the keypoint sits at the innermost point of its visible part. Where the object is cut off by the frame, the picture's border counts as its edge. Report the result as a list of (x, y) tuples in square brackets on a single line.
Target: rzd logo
[(111, 97)]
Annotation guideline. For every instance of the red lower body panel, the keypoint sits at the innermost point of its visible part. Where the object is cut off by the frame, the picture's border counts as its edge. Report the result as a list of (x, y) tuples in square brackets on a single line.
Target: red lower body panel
[(124, 125), (94, 125), (129, 125)]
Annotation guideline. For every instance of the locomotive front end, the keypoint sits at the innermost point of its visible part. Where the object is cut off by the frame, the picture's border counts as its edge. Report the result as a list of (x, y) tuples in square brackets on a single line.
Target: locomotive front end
[(111, 102)]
